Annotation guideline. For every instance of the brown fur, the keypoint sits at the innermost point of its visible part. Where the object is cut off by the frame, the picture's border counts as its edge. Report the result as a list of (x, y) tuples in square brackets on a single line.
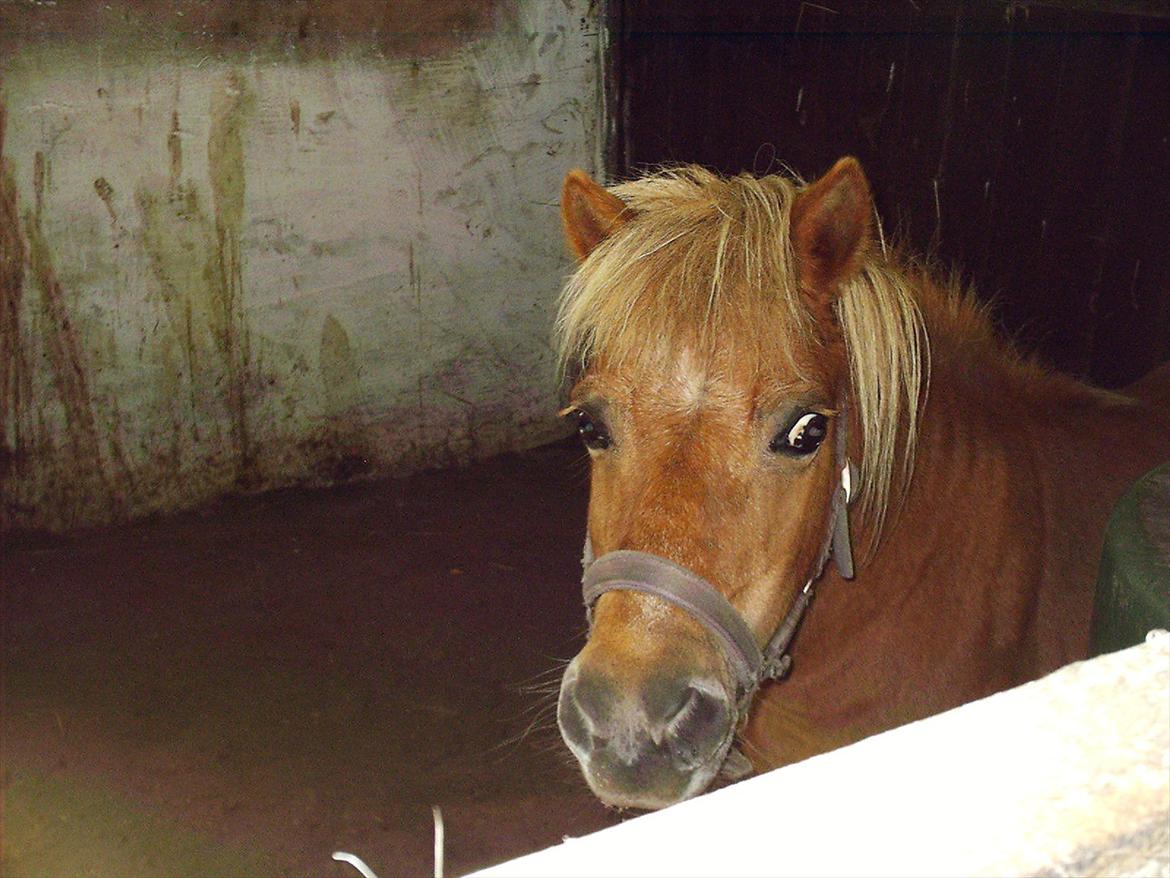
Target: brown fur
[(998, 474), (986, 579)]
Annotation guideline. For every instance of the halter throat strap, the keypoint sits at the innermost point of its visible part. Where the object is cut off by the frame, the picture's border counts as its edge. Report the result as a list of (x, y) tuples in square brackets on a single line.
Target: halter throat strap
[(628, 570)]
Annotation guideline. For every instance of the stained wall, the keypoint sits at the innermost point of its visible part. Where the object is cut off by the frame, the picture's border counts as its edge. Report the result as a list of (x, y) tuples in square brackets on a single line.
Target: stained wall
[(244, 246)]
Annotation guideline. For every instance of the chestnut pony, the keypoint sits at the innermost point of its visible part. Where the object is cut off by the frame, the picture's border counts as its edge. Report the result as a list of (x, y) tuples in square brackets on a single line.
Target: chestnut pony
[(732, 346)]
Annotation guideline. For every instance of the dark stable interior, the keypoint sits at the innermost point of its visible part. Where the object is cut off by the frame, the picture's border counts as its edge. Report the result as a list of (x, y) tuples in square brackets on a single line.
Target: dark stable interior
[(1026, 145), (248, 688)]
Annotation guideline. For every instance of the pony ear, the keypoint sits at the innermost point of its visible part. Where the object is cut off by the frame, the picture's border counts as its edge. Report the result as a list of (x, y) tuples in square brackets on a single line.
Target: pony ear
[(830, 228), (589, 213)]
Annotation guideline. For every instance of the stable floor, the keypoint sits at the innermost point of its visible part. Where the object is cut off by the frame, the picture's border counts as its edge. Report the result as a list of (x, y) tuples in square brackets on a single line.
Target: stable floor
[(245, 689)]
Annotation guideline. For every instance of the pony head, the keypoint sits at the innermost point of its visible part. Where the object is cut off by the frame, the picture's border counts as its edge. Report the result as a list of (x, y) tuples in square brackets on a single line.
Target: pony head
[(714, 333)]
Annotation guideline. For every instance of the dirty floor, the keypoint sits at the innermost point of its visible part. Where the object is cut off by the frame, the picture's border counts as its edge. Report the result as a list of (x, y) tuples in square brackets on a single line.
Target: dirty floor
[(245, 689)]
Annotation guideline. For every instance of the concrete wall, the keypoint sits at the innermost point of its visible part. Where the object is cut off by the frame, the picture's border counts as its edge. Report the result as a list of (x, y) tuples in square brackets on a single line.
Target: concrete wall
[(251, 245)]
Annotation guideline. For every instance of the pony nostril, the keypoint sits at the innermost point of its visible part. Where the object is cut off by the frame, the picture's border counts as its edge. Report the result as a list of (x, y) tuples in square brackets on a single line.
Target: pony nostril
[(698, 727), (572, 721), (583, 712), (688, 701)]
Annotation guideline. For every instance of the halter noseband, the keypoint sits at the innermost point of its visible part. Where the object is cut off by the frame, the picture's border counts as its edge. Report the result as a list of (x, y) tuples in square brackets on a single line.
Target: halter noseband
[(627, 570)]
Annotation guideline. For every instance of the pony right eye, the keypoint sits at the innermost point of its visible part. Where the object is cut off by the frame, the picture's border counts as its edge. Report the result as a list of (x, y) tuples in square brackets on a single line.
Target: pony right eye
[(592, 432), (803, 437)]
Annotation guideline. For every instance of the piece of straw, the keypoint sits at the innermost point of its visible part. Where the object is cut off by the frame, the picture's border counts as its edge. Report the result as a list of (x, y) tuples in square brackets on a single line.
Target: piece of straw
[(367, 872), (437, 813), (356, 862)]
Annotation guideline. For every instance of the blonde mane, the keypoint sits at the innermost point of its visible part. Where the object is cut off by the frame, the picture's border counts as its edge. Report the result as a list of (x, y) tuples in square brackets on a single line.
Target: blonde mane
[(705, 258)]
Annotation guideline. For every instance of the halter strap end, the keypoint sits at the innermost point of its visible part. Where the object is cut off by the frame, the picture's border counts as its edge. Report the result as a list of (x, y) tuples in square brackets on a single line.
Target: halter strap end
[(776, 669)]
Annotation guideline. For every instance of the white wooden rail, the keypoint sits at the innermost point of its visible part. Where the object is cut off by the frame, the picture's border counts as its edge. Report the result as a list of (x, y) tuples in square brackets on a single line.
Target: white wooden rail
[(1069, 775)]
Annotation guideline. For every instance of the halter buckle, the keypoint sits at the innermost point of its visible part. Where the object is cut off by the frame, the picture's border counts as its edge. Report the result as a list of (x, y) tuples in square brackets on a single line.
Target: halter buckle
[(776, 669)]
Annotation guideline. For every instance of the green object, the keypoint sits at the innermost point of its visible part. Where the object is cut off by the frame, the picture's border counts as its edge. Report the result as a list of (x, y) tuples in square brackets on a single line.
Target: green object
[(1133, 588)]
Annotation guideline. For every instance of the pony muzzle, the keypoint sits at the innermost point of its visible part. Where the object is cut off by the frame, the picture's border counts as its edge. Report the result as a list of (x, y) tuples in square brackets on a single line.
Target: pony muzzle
[(648, 733), (645, 742)]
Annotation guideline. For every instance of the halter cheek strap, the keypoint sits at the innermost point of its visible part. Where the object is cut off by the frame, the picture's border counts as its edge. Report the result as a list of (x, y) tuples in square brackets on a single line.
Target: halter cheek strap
[(627, 570)]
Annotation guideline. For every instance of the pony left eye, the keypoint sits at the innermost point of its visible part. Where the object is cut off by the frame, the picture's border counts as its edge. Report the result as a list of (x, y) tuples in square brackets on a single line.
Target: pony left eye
[(592, 432), (804, 436)]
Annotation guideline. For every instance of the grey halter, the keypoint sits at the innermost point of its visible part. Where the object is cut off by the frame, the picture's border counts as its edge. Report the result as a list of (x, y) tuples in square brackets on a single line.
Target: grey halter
[(627, 570)]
